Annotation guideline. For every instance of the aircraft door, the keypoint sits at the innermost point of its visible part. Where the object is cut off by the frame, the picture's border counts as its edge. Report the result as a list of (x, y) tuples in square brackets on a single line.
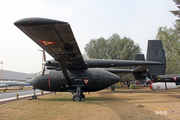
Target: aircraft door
[(56, 81)]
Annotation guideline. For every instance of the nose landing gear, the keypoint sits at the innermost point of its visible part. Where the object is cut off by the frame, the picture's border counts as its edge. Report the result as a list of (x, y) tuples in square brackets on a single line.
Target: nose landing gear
[(34, 96)]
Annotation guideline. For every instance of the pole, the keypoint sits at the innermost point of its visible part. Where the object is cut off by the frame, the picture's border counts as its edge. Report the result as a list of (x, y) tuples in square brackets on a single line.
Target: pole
[(166, 86), (1, 69)]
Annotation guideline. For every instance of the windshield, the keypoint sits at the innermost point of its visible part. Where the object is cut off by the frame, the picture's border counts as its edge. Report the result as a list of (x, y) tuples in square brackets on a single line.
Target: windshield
[(39, 73)]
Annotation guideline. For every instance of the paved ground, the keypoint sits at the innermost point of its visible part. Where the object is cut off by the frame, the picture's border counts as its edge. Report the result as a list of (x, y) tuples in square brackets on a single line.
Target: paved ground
[(4, 96)]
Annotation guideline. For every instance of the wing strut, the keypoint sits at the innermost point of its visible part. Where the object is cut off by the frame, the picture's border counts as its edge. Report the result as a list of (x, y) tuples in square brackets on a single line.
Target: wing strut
[(63, 68)]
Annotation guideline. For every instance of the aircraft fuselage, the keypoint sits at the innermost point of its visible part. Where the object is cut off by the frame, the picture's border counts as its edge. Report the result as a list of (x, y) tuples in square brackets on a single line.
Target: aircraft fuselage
[(167, 78), (92, 79)]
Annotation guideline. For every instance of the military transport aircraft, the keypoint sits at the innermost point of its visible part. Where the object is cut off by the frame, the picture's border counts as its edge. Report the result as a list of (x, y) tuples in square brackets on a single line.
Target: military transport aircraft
[(12, 83), (69, 71)]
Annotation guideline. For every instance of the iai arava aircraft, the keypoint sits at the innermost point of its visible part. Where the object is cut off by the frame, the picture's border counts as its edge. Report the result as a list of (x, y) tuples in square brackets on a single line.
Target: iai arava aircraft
[(69, 72)]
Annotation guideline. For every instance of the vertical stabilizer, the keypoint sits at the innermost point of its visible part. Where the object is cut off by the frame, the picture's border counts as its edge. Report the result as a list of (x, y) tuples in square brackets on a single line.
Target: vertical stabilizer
[(139, 57), (155, 52), (140, 75)]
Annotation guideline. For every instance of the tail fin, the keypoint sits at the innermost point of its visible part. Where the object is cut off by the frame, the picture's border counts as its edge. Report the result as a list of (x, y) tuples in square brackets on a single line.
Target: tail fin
[(141, 74), (155, 52), (139, 57)]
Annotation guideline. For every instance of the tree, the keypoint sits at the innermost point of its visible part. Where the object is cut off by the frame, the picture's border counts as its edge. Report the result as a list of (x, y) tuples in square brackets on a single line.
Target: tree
[(113, 48), (177, 13), (171, 43), (97, 49)]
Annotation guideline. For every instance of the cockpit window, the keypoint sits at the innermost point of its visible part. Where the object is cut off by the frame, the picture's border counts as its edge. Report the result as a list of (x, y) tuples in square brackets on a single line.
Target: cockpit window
[(39, 73), (46, 72)]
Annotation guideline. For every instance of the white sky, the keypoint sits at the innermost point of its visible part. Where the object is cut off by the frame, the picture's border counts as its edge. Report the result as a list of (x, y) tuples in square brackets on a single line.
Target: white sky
[(136, 19)]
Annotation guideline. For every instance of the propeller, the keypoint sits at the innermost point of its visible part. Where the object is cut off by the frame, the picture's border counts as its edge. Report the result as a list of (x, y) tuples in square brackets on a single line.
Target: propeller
[(43, 61)]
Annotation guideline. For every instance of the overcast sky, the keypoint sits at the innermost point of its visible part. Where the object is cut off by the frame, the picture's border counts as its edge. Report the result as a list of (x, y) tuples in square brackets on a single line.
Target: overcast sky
[(89, 19)]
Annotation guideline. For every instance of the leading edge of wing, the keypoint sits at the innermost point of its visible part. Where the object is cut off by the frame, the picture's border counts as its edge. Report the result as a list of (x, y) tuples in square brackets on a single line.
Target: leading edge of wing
[(37, 21)]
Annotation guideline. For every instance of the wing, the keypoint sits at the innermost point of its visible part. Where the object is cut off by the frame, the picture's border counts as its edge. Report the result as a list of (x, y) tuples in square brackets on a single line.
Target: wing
[(56, 38)]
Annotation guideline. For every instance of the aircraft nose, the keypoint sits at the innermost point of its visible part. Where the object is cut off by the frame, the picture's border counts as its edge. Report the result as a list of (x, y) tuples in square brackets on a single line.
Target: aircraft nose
[(33, 82), (114, 79)]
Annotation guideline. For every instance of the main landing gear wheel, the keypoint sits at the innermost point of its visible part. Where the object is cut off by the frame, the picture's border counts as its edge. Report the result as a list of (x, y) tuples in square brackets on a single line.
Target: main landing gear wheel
[(76, 98), (83, 96)]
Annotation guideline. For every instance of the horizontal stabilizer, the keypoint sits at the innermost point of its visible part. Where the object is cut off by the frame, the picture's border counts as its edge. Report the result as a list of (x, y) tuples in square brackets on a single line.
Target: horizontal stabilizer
[(119, 70), (140, 69)]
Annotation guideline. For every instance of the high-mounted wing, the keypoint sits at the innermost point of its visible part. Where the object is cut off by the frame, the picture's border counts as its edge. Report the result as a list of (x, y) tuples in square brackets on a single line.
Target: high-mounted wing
[(56, 38)]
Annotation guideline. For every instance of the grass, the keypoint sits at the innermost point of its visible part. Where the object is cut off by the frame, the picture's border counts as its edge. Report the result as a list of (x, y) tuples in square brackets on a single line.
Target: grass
[(103, 105)]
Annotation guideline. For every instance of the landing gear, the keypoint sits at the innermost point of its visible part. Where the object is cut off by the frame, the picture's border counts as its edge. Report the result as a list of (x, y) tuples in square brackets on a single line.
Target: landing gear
[(82, 95), (78, 95), (34, 96)]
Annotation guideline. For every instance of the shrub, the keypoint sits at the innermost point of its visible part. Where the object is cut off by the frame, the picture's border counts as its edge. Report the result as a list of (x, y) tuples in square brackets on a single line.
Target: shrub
[(133, 86), (4, 90)]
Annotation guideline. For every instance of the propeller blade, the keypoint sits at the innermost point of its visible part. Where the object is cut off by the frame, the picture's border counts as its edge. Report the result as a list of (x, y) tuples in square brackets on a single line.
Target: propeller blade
[(44, 55), (44, 70), (43, 61)]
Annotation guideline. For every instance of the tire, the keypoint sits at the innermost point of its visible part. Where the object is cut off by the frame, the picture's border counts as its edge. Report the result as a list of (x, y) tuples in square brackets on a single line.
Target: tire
[(34, 97), (76, 98), (83, 96)]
